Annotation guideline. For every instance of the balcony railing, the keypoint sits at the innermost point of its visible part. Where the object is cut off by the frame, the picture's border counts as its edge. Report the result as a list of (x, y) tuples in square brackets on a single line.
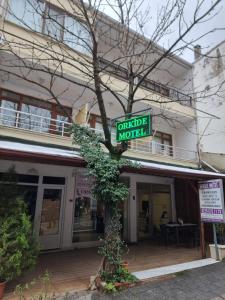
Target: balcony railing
[(35, 123), (147, 83), (151, 147), (23, 120)]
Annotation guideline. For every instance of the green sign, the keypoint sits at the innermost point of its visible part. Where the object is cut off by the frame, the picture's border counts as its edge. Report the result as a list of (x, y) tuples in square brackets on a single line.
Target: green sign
[(133, 128)]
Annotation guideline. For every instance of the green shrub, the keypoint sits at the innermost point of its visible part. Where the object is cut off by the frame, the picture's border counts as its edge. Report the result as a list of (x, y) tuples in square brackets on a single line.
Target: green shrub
[(120, 275), (18, 246), (110, 288)]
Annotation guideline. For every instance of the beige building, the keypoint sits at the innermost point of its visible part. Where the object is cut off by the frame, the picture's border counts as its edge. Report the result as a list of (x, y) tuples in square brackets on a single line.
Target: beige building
[(34, 135)]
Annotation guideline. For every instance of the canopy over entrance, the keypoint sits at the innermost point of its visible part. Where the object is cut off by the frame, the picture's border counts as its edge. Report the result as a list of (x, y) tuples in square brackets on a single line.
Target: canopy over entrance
[(51, 155)]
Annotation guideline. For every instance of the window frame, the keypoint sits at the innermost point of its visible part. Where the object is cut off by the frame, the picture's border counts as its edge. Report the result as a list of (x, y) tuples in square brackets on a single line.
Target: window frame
[(165, 137), (54, 111), (45, 17), (19, 23)]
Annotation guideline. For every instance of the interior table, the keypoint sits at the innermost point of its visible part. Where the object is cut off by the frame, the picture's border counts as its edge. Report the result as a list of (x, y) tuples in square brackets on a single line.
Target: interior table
[(177, 230)]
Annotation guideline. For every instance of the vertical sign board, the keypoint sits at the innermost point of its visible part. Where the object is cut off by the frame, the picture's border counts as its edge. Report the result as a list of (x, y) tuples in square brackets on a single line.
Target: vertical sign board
[(212, 201), (133, 128)]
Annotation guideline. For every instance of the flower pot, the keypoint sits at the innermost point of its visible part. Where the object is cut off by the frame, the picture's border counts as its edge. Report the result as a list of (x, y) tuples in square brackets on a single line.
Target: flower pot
[(2, 289), (123, 284), (221, 250), (125, 265)]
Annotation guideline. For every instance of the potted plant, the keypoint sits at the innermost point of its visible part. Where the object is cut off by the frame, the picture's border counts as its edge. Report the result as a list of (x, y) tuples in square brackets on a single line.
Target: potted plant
[(220, 231), (18, 247)]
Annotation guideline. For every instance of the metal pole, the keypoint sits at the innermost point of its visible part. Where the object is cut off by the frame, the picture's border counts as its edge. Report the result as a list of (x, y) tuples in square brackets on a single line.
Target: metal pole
[(202, 240), (215, 241)]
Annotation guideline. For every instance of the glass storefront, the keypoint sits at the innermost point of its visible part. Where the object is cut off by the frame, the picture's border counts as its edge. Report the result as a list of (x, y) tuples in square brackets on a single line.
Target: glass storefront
[(88, 214), (29, 194), (154, 201), (50, 214)]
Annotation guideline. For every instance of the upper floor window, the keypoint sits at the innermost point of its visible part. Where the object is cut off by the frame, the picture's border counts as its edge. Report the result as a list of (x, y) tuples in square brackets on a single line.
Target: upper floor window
[(164, 143), (76, 35), (33, 114), (40, 16), (54, 22), (26, 13)]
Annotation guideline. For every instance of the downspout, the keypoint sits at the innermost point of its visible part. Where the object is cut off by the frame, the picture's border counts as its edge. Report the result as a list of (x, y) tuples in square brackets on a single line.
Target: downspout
[(196, 120)]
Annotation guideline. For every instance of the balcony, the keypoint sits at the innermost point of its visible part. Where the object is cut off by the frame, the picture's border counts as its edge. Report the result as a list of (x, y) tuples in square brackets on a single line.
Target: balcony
[(150, 147), (148, 84), (57, 129), (31, 122)]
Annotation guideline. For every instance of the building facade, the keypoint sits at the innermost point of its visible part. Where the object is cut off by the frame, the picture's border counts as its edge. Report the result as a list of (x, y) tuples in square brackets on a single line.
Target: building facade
[(208, 78), (35, 139)]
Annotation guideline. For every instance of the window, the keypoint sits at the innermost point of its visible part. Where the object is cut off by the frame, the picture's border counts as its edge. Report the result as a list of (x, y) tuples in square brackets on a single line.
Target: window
[(62, 125), (34, 118), (27, 13), (88, 223), (76, 35), (8, 112), (53, 180), (33, 114), (163, 143), (54, 23), (39, 16)]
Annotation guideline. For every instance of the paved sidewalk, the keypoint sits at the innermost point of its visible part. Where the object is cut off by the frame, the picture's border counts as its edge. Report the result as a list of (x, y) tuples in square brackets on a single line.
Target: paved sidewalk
[(206, 283)]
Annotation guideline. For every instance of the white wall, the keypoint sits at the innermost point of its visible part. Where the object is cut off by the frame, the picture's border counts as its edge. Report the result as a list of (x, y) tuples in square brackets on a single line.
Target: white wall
[(209, 77)]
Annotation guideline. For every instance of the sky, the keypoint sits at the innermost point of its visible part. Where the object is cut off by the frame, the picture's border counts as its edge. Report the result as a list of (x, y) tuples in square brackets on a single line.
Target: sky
[(216, 20)]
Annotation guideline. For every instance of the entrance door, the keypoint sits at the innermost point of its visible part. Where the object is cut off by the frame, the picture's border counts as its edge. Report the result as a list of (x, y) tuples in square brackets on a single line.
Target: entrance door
[(145, 226), (49, 219)]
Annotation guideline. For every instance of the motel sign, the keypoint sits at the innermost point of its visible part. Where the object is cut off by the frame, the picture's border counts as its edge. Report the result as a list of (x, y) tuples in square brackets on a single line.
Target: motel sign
[(133, 128)]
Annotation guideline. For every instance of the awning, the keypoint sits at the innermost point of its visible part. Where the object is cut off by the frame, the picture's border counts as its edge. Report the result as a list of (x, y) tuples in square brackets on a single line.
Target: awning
[(50, 155), (40, 154)]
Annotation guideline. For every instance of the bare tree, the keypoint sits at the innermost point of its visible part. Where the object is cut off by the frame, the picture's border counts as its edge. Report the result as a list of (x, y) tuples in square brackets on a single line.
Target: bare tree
[(109, 46), (77, 44)]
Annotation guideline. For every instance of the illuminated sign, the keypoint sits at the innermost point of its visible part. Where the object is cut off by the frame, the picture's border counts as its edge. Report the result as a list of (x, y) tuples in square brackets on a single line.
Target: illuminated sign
[(134, 128)]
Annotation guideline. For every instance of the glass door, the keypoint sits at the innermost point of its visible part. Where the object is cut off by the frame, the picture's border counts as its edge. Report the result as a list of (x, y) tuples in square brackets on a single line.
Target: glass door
[(50, 216), (144, 209)]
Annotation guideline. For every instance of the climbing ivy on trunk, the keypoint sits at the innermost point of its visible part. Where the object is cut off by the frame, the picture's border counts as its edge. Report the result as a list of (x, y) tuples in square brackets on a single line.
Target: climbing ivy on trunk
[(106, 169)]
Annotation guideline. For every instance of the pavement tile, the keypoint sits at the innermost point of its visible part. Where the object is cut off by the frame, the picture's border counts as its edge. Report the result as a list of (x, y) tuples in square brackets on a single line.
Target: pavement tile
[(206, 283)]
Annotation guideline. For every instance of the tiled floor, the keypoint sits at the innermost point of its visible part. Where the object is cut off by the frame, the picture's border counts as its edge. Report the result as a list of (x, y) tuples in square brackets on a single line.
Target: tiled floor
[(71, 270)]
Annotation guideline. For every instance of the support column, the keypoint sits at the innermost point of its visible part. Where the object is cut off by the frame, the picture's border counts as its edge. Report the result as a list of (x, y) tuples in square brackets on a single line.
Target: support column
[(202, 240), (133, 211), (173, 202)]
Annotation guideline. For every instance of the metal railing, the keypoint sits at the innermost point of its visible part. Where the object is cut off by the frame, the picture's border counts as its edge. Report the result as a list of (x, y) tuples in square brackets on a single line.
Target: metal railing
[(147, 83), (161, 150), (151, 147), (23, 120), (36, 123)]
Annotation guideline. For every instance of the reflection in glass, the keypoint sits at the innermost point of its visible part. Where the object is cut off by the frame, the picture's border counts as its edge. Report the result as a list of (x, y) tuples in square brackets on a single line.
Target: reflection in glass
[(88, 214), (29, 194), (35, 118), (8, 113), (61, 124), (50, 215), (54, 23), (26, 13), (76, 35)]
